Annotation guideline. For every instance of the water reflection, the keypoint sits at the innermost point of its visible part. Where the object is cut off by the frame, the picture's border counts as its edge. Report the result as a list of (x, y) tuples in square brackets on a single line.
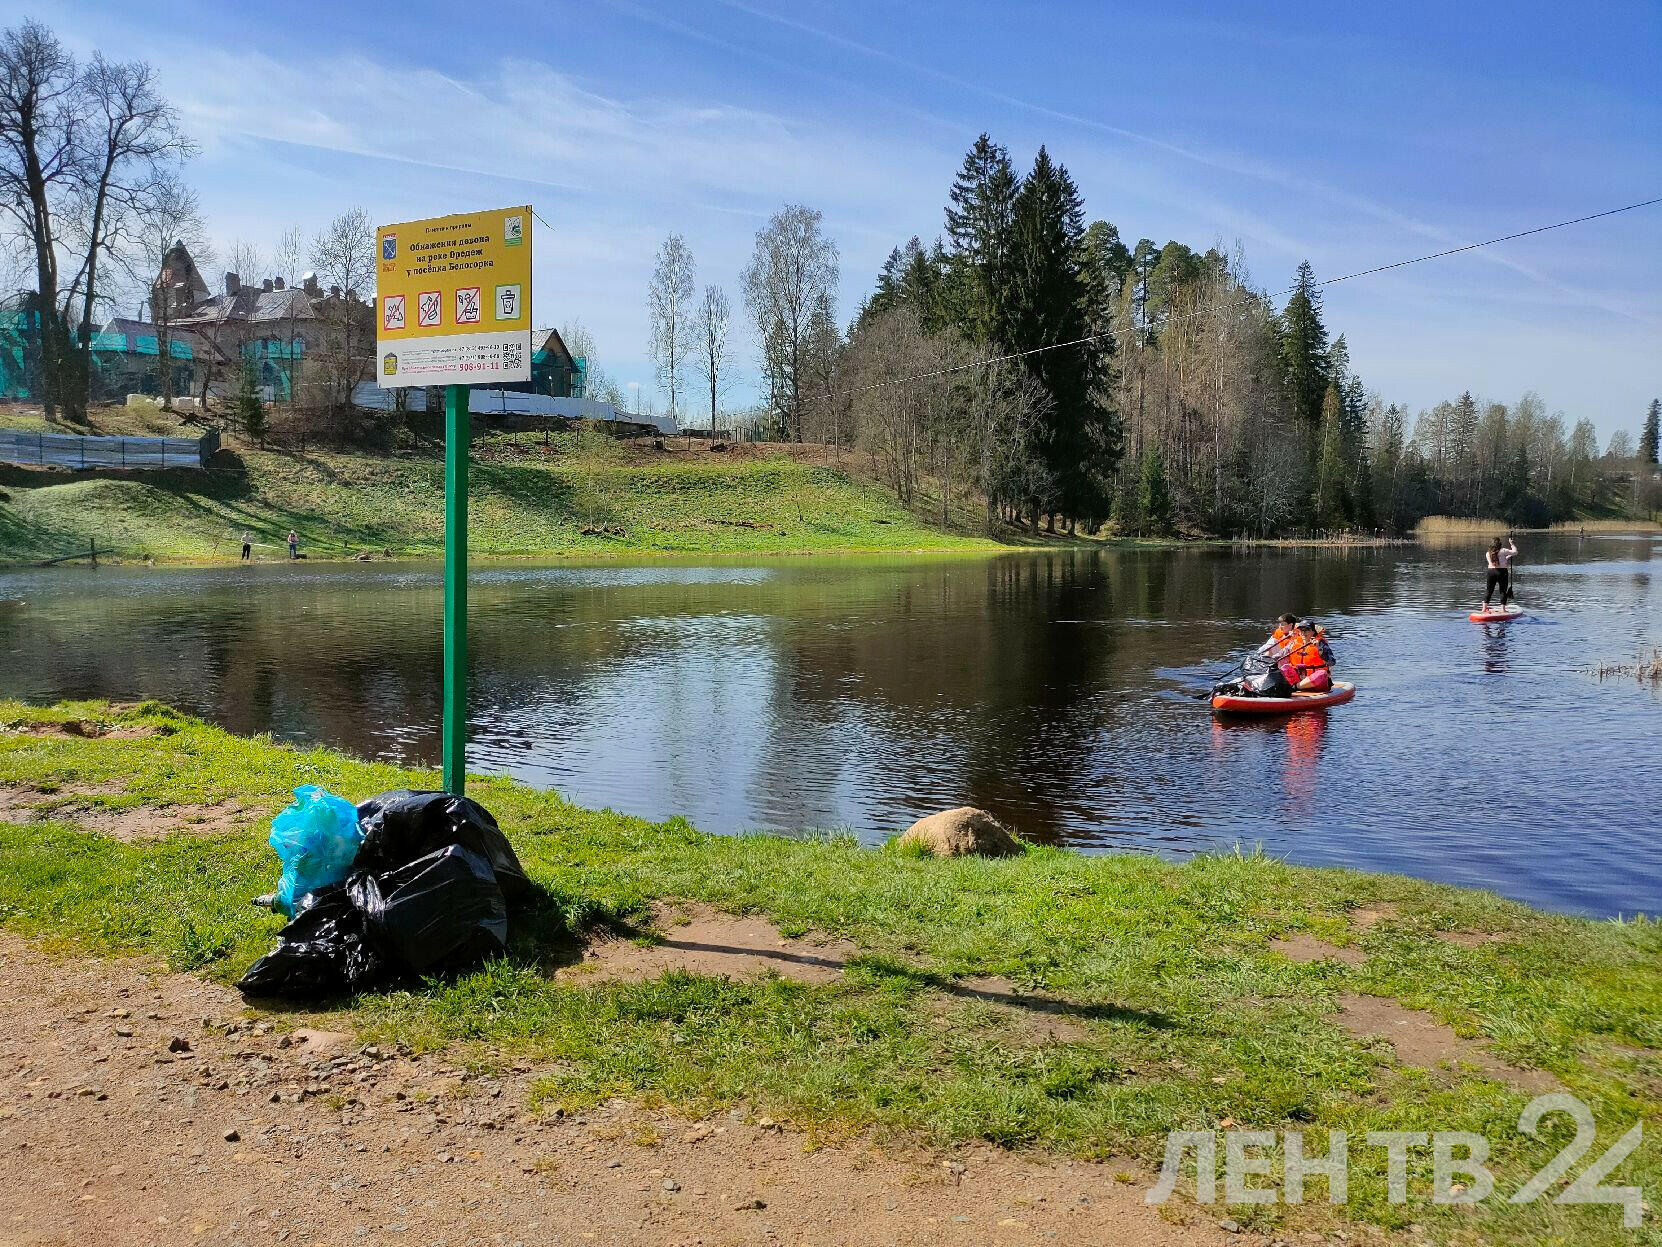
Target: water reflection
[(1496, 646), (1064, 692)]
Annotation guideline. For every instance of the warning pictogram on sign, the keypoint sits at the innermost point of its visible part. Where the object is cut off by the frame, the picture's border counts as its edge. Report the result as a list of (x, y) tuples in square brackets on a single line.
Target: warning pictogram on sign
[(392, 312), (467, 305), (429, 308)]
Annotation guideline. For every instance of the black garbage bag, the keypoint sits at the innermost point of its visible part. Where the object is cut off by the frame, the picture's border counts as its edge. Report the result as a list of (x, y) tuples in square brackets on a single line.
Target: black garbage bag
[(429, 892), (1259, 678), (401, 826), (324, 951), (441, 912)]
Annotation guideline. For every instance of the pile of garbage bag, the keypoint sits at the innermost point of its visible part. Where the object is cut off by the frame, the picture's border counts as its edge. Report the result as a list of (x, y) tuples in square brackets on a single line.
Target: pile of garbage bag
[(413, 884)]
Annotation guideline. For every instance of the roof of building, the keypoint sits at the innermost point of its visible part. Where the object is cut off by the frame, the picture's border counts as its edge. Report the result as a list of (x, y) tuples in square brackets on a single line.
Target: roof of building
[(554, 344), (253, 305)]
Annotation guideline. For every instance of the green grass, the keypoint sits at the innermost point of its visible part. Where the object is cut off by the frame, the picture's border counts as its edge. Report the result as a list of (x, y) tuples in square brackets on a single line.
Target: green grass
[(525, 500), (1188, 1017)]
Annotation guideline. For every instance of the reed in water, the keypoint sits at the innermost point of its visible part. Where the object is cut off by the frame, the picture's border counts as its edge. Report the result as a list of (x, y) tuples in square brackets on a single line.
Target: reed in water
[(1646, 670), (1465, 526)]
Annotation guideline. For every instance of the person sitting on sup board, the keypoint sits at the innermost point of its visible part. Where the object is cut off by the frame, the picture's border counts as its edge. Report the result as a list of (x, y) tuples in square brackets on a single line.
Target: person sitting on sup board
[(1286, 626), (1499, 566), (1310, 659)]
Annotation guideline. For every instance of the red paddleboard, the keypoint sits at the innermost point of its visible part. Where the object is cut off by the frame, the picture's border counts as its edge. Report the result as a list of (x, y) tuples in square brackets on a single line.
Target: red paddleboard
[(1500, 615), (1340, 693)]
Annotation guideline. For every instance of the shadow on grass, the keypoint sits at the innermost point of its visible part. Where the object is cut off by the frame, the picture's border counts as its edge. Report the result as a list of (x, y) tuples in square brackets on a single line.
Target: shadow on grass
[(879, 970)]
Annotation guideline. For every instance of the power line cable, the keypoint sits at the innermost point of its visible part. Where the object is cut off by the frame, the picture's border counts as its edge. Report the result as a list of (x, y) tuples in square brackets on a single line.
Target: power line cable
[(1251, 297)]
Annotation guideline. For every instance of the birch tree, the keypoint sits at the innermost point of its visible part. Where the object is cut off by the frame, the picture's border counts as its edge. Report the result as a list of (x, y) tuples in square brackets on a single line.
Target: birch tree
[(794, 266), (711, 345), (669, 300)]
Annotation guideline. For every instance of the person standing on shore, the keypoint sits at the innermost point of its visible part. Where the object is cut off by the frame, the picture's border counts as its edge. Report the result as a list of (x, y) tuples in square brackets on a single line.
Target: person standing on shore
[(294, 544), (1498, 559), (247, 547)]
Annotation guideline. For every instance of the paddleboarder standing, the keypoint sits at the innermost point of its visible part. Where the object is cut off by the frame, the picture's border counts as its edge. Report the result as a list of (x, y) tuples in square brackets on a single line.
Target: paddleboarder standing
[(1499, 566)]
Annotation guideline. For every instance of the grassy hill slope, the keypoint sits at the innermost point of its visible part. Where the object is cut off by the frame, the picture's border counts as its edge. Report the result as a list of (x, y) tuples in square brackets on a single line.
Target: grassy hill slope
[(578, 495)]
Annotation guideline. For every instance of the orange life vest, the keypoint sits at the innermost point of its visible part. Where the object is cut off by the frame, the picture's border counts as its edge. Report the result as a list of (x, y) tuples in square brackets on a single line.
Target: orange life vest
[(1306, 655)]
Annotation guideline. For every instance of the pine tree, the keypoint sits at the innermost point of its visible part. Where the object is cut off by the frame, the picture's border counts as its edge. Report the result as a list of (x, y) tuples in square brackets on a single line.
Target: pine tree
[(1176, 267), (250, 411), (980, 223), (1105, 263), (1304, 358), (1154, 495), (1648, 439), (1144, 256)]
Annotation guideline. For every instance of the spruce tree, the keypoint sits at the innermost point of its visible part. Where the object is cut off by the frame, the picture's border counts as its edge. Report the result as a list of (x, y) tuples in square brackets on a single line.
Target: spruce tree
[(980, 223), (1648, 439), (1304, 359), (1154, 495), (1462, 450), (1046, 307), (1353, 432), (1330, 505), (250, 411)]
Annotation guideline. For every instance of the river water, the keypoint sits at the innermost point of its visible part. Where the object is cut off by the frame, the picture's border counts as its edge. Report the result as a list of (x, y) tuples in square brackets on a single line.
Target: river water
[(1060, 690)]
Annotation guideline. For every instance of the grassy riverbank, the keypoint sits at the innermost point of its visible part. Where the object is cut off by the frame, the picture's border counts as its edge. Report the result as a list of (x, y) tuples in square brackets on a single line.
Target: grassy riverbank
[(578, 495), (1079, 1005)]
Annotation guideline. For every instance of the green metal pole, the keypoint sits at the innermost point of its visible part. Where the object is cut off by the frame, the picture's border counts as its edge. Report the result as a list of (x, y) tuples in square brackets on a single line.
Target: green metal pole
[(455, 588)]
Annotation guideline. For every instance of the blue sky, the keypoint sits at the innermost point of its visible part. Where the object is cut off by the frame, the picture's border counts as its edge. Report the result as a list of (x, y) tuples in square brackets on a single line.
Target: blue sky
[(1351, 135)]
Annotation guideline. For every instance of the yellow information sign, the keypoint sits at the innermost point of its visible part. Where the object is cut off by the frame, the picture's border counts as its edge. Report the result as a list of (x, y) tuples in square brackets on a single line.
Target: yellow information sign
[(453, 299)]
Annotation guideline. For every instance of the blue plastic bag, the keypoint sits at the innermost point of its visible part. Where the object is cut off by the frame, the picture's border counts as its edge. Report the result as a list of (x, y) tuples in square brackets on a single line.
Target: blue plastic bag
[(317, 837)]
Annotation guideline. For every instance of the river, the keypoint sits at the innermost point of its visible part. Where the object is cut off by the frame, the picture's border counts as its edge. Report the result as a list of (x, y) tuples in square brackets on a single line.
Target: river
[(1060, 690)]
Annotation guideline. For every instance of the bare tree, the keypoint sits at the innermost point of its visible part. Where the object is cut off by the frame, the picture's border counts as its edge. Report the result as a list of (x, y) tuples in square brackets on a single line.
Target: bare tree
[(343, 254), (171, 217), (1008, 406), (129, 148), (245, 259), (39, 121), (823, 415), (894, 420), (793, 266), (598, 384), (289, 254), (669, 302), (710, 342)]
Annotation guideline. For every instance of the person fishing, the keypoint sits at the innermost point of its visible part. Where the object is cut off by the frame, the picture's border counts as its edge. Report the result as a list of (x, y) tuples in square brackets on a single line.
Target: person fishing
[(1498, 561)]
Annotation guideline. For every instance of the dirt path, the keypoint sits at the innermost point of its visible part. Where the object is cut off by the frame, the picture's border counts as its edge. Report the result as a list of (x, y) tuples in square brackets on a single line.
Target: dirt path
[(140, 1107)]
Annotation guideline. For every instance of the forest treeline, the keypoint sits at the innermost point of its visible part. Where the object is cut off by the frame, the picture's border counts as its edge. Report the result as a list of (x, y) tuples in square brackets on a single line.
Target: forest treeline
[(1078, 381)]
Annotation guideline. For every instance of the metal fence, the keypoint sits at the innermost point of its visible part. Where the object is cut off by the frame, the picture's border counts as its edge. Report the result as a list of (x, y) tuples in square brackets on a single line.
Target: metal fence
[(66, 450)]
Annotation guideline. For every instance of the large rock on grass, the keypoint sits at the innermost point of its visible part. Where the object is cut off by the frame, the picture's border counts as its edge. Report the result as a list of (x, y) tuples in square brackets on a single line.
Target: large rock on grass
[(964, 832)]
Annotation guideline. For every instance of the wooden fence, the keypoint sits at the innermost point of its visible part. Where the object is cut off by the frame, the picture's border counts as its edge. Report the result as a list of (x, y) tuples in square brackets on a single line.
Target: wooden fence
[(66, 450)]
